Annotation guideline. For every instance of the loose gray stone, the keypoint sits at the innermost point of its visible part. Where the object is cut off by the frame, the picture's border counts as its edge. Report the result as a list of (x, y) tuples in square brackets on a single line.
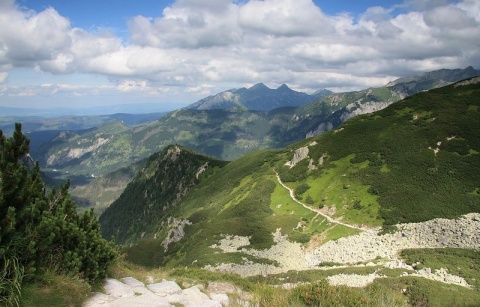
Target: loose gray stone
[(204, 304), (132, 282), (194, 294), (165, 288), (117, 288), (176, 298), (221, 287), (98, 299), (140, 301), (222, 298)]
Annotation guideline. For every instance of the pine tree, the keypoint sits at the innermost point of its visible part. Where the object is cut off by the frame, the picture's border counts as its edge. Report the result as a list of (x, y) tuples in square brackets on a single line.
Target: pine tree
[(39, 232)]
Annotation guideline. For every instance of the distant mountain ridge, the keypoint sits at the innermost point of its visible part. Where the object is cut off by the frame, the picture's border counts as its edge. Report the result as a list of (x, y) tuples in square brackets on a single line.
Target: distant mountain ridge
[(413, 161), (410, 85), (222, 133), (374, 99), (257, 98)]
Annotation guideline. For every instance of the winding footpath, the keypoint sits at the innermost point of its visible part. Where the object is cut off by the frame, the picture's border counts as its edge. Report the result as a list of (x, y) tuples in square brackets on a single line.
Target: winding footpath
[(367, 248), (318, 211)]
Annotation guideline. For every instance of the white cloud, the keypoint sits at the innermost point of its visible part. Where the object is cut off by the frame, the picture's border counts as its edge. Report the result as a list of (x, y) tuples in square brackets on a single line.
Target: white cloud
[(198, 46), (188, 24), (203, 89), (3, 76), (26, 37), (449, 17), (284, 17)]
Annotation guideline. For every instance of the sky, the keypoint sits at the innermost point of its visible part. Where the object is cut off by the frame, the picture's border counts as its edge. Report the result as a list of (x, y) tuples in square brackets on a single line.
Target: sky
[(90, 53)]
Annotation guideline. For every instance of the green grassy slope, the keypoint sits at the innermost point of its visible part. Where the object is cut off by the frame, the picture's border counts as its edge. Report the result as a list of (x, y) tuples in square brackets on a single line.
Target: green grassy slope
[(417, 157), (413, 161)]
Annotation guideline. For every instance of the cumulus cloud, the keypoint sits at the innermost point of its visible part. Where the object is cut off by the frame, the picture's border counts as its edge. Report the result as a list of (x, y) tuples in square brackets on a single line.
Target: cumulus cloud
[(284, 17), (26, 37), (188, 24), (199, 46), (449, 17)]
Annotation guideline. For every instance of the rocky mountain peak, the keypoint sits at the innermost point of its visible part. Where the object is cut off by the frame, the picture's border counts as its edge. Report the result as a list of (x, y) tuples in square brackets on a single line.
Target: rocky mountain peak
[(284, 88)]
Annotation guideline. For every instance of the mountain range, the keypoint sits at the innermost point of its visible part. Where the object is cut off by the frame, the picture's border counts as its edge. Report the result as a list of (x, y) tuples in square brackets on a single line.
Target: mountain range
[(414, 161), (216, 130), (73, 148), (377, 187), (258, 98)]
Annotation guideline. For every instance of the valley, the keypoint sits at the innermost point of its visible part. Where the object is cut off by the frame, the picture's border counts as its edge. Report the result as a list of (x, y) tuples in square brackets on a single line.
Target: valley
[(240, 153), (385, 200), (226, 126), (346, 206)]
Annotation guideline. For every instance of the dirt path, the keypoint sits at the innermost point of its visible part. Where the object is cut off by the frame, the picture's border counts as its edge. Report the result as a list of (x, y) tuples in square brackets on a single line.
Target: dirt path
[(366, 248), (318, 211)]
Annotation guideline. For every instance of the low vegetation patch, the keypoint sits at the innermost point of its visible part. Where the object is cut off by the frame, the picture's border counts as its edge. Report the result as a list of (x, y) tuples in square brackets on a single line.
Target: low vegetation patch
[(461, 262)]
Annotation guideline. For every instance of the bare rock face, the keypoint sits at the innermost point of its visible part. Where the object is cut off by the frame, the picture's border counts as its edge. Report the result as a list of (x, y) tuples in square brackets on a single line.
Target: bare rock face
[(175, 231), (299, 155), (467, 82), (68, 154), (323, 127), (172, 153)]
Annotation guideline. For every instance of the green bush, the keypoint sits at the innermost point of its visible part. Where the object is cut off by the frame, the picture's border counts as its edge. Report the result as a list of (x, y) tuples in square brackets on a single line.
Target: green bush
[(302, 188), (40, 232), (321, 294)]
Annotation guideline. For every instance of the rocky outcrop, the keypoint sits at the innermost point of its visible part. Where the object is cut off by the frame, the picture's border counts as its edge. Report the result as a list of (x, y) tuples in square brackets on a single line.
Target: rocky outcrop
[(300, 154), (131, 292), (69, 154), (175, 231), (172, 153), (323, 127), (201, 170), (474, 80)]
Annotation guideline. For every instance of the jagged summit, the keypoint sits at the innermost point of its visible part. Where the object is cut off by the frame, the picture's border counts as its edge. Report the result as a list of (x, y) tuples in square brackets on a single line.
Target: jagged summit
[(259, 86), (259, 97), (284, 88)]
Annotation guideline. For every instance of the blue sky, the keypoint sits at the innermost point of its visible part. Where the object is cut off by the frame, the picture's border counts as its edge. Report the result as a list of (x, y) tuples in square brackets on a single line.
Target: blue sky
[(87, 53), (94, 13)]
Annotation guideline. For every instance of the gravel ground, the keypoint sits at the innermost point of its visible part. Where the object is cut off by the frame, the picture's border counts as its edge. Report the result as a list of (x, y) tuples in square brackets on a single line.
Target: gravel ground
[(366, 247)]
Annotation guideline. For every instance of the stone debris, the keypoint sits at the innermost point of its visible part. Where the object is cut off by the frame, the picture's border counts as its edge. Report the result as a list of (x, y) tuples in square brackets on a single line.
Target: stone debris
[(129, 292), (366, 247), (231, 244)]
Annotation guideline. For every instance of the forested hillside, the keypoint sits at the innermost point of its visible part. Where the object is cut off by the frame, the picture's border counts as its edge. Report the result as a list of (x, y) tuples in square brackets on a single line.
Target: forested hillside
[(160, 185)]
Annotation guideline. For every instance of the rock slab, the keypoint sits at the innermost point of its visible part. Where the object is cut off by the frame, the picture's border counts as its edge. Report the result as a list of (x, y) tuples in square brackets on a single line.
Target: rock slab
[(130, 292)]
